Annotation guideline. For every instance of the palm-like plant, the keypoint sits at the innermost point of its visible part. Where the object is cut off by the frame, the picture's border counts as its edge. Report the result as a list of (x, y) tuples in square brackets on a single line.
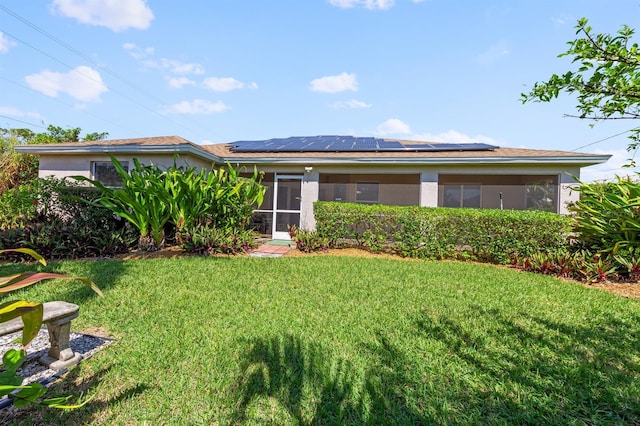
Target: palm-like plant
[(607, 216), (143, 200), (150, 198)]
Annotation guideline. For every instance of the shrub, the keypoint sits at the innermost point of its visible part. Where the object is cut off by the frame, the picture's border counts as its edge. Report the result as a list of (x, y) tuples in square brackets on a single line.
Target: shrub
[(308, 241), (18, 206), (65, 225), (208, 241), (480, 234), (607, 216), (150, 199)]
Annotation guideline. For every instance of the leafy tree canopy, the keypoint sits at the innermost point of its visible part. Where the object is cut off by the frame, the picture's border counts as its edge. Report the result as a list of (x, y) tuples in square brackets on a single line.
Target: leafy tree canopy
[(18, 169), (607, 79), (54, 134)]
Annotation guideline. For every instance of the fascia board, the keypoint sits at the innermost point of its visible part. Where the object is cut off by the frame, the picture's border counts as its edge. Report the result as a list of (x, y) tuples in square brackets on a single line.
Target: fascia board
[(119, 149), (583, 160)]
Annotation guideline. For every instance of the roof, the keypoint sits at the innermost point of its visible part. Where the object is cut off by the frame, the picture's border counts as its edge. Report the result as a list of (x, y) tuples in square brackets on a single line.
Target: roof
[(224, 153), (150, 145)]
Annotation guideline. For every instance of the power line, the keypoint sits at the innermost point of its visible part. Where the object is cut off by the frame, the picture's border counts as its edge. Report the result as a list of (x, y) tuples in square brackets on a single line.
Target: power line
[(129, 98), (605, 139), (69, 105), (100, 66), (23, 122), (76, 51)]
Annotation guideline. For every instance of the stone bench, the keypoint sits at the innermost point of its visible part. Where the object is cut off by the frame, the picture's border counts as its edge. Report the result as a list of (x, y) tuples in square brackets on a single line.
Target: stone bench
[(57, 316)]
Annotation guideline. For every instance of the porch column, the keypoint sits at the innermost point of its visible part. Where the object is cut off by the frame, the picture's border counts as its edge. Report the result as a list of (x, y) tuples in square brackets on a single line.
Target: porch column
[(310, 193), (429, 189), (566, 192)]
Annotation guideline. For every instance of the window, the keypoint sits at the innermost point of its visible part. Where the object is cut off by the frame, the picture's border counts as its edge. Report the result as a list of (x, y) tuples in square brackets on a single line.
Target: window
[(367, 192), (461, 195), (105, 173), (541, 195)]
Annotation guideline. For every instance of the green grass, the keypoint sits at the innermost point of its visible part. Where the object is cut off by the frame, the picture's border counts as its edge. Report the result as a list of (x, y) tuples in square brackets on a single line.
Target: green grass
[(341, 340)]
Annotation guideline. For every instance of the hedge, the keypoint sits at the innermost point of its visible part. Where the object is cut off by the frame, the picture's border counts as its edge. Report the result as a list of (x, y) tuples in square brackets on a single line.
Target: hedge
[(499, 236)]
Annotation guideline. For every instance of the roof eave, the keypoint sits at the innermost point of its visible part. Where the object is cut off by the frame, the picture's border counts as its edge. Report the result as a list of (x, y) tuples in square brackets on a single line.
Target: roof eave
[(119, 149), (577, 160)]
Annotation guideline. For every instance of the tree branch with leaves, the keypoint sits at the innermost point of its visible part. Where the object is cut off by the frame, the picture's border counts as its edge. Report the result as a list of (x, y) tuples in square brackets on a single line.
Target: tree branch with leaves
[(606, 82)]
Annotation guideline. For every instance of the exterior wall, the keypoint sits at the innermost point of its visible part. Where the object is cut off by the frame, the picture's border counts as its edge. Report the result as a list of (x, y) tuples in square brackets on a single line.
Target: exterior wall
[(310, 190), (61, 166), (568, 194), (429, 189), (402, 184)]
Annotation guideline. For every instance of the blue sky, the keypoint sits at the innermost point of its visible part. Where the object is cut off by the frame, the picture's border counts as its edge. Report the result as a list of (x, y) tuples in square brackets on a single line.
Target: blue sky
[(226, 70)]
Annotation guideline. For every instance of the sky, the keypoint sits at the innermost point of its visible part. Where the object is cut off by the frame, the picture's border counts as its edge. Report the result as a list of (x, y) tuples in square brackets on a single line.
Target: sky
[(217, 71)]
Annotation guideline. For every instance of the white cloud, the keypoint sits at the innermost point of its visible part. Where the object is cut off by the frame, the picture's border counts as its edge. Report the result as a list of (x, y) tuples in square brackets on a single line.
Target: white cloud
[(180, 82), (177, 67), (82, 83), (393, 126), (117, 15), (226, 84), (5, 43), (222, 84), (609, 170), (453, 136), (350, 104), (368, 4), (494, 53), (145, 56), (197, 106), (137, 52), (15, 112), (335, 83)]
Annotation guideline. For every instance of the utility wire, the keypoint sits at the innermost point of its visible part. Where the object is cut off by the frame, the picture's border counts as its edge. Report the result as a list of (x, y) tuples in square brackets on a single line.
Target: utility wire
[(129, 98), (77, 52), (605, 139), (23, 122), (100, 66), (69, 105)]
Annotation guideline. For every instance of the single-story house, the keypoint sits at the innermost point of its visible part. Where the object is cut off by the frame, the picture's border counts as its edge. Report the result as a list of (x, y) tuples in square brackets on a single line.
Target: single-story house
[(301, 170)]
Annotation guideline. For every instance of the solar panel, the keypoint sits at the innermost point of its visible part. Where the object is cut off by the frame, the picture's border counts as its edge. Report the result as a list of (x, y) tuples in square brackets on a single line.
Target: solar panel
[(350, 144)]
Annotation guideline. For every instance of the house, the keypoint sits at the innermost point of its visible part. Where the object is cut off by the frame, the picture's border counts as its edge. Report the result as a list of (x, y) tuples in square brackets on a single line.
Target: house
[(301, 170)]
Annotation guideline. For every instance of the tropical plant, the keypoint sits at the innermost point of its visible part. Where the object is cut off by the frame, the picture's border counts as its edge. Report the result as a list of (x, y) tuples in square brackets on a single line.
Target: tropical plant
[(206, 240), (17, 168), (607, 216), (151, 198), (31, 313), (219, 198), (143, 200), (308, 241)]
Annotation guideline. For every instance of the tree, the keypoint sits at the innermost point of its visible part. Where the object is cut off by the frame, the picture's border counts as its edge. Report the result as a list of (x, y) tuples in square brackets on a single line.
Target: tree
[(607, 81), (16, 168)]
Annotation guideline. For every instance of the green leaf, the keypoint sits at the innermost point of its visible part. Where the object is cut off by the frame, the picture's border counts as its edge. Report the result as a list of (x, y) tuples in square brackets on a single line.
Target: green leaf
[(30, 252)]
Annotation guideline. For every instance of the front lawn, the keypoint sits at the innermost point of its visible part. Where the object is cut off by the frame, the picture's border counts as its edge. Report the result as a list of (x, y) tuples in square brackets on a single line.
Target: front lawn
[(343, 340)]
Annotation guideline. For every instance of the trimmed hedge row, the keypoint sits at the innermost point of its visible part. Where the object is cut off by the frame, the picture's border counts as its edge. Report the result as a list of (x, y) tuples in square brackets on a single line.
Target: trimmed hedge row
[(499, 236)]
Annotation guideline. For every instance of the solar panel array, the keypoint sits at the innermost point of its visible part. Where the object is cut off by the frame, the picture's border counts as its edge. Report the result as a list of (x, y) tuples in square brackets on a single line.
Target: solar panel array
[(349, 144)]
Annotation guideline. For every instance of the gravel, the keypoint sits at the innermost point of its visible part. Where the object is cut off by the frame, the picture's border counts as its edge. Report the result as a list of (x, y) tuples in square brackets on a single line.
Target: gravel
[(32, 371)]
